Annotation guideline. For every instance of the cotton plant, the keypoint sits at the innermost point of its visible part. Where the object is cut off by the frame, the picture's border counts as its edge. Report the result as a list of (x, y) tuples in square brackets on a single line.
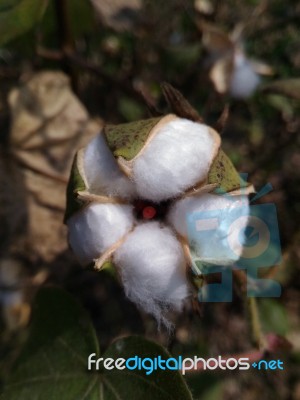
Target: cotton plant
[(130, 191), (231, 70)]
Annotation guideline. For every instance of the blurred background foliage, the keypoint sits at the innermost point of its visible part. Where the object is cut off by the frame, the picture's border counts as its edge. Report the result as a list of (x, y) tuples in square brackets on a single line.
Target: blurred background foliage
[(116, 53)]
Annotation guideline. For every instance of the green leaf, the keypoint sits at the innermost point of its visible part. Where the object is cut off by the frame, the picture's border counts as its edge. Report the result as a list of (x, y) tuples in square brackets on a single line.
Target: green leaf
[(127, 140), (285, 87), (75, 185), (80, 17), (161, 384), (53, 364), (273, 317), (19, 17), (282, 104), (225, 175)]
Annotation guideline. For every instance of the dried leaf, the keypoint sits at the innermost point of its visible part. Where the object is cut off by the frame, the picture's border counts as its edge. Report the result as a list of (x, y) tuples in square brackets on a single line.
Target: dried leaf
[(221, 72), (178, 103), (261, 68), (219, 126), (215, 40), (15, 309), (285, 87), (204, 7), (48, 125), (118, 14)]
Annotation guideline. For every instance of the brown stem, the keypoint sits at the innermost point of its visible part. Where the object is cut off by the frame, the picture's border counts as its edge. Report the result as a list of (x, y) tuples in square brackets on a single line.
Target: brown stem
[(76, 59), (66, 41)]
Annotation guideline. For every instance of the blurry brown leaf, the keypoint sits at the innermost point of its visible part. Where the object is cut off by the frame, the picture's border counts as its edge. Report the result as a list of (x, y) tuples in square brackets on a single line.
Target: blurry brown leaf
[(14, 306), (221, 55), (179, 104), (285, 87), (221, 72), (215, 40), (261, 68), (204, 7), (48, 125), (118, 14)]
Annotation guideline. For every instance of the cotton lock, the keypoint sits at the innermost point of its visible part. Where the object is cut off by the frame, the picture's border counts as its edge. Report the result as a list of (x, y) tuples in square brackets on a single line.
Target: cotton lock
[(102, 172), (152, 269), (228, 246), (96, 228), (178, 157)]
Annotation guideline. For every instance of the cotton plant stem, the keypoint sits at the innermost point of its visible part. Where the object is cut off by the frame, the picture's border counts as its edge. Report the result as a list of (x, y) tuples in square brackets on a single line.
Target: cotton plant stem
[(255, 323), (252, 306)]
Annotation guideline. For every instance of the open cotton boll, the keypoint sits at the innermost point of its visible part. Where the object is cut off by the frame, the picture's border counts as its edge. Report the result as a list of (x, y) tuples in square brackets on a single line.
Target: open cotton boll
[(218, 236), (244, 79), (97, 227), (103, 173), (178, 157), (152, 269)]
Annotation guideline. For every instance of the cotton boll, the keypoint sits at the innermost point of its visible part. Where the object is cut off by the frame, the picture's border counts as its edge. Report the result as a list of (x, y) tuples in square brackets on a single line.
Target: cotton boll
[(103, 173), (244, 80), (152, 269), (219, 235), (98, 227), (178, 157)]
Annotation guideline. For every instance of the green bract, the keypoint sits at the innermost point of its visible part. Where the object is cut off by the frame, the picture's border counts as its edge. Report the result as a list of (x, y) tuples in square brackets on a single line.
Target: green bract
[(127, 140)]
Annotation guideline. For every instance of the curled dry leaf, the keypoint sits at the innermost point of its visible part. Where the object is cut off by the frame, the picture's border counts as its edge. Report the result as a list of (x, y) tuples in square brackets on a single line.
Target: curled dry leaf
[(118, 14), (48, 124)]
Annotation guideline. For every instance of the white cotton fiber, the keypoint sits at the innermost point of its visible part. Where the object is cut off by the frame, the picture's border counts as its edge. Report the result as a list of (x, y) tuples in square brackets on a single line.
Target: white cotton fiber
[(178, 157), (220, 234), (152, 269), (103, 173), (96, 228), (244, 79)]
